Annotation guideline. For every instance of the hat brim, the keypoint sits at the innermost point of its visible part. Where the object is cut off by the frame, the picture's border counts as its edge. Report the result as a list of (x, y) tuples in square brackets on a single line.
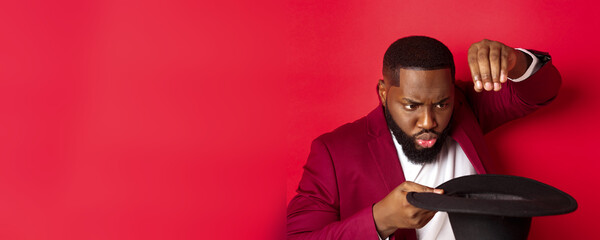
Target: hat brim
[(499, 195)]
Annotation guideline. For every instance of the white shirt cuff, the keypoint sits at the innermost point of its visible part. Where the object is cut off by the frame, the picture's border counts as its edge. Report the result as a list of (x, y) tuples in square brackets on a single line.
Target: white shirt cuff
[(533, 67)]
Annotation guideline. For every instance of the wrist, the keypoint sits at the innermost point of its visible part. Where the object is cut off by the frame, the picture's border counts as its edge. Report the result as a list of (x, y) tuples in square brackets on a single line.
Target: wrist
[(384, 228), (522, 64)]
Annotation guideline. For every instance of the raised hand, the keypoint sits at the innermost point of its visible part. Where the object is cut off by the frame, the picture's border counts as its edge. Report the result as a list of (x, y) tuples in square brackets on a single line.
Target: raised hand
[(492, 62)]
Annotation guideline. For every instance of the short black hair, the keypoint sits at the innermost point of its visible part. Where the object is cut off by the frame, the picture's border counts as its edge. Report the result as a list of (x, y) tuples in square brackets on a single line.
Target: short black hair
[(416, 52)]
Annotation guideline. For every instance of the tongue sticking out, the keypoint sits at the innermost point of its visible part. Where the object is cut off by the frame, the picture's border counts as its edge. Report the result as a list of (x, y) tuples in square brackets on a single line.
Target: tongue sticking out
[(426, 143)]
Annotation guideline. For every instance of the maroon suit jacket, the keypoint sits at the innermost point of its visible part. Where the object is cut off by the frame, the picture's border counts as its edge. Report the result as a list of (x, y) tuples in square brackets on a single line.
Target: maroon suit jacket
[(356, 165)]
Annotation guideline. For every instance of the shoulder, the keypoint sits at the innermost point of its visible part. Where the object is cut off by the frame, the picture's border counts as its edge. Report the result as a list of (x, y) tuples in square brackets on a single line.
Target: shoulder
[(347, 132), (357, 132)]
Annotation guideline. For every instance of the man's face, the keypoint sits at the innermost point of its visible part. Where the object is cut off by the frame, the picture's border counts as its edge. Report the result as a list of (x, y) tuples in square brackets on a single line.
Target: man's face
[(421, 107)]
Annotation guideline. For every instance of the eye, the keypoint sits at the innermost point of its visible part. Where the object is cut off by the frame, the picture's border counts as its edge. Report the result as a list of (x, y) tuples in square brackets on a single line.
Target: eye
[(441, 105), (410, 106)]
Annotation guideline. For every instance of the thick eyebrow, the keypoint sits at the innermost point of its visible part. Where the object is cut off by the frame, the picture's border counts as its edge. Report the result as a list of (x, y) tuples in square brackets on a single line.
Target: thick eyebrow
[(443, 100), (410, 101)]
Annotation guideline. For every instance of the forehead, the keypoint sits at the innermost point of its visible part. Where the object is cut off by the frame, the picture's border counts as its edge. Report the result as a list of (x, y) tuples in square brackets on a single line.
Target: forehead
[(425, 84)]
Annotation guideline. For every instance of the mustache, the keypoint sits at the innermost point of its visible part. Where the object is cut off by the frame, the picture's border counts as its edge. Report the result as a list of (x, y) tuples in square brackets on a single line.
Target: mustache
[(426, 131)]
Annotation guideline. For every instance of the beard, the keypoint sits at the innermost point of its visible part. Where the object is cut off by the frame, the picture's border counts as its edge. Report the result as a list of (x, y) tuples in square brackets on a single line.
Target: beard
[(408, 143)]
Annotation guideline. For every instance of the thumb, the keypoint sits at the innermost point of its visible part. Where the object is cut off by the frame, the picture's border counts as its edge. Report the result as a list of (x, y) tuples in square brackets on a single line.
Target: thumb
[(415, 187), (434, 190)]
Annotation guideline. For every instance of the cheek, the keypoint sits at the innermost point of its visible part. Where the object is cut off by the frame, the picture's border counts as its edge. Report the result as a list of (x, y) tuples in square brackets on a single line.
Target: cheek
[(405, 120), (443, 119)]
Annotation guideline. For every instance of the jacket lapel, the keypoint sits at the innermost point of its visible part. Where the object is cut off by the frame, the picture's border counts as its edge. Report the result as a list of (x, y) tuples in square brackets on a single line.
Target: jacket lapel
[(465, 129), (460, 136), (383, 150), (385, 157)]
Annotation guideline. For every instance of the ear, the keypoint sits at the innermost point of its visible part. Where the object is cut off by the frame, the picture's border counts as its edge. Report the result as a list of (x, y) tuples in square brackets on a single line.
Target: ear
[(382, 92)]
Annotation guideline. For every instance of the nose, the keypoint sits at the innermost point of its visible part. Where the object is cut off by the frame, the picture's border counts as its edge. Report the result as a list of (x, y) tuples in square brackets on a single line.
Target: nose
[(427, 120)]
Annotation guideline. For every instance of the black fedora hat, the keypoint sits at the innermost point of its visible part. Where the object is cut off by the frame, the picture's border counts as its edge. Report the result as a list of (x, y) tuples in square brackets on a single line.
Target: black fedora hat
[(490, 206)]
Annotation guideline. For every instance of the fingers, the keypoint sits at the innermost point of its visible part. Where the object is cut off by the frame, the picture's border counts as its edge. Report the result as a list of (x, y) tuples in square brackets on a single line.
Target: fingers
[(394, 211), (474, 66), (484, 68), (489, 62), (417, 218), (427, 216), (494, 59), (504, 55)]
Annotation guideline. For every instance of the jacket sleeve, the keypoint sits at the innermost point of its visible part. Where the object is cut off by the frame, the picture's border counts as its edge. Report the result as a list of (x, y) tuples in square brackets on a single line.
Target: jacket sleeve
[(515, 99), (314, 212)]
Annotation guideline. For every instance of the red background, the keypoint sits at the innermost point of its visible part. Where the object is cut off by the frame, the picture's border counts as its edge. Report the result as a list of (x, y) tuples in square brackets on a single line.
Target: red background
[(189, 120)]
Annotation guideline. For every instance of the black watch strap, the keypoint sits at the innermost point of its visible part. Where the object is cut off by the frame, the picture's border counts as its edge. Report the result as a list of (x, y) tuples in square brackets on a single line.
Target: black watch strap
[(543, 57)]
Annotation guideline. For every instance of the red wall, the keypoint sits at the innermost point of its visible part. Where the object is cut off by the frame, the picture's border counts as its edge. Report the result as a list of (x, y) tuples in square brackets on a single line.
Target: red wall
[(189, 120)]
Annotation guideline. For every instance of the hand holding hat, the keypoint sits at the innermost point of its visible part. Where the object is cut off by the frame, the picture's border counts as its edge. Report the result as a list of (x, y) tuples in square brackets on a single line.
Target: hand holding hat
[(395, 212)]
